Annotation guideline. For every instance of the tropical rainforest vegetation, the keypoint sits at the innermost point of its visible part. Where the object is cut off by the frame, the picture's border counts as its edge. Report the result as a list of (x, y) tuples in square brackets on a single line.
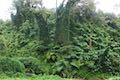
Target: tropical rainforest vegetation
[(71, 41)]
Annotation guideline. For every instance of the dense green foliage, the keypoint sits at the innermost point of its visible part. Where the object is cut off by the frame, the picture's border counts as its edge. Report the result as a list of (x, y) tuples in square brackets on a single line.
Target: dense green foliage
[(9, 66), (70, 42), (32, 65)]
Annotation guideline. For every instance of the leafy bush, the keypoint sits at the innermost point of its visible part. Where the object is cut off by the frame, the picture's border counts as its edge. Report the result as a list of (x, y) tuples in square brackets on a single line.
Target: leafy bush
[(108, 61), (31, 64), (11, 66)]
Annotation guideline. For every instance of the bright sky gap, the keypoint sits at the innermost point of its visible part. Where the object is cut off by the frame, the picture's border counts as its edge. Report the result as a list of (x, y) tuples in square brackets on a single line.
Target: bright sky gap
[(112, 6)]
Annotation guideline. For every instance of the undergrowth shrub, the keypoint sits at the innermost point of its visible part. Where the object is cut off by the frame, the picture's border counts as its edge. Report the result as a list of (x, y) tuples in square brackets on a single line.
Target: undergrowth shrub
[(32, 65), (108, 61), (105, 60), (10, 66)]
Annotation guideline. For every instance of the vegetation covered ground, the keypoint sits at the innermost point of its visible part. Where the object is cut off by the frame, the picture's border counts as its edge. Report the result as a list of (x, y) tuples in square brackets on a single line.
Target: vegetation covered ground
[(45, 77), (73, 41)]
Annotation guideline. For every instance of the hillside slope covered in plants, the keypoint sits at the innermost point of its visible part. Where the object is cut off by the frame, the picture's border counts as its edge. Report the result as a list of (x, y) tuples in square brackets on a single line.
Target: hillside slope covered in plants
[(73, 41)]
